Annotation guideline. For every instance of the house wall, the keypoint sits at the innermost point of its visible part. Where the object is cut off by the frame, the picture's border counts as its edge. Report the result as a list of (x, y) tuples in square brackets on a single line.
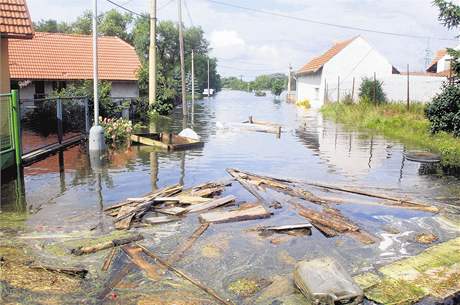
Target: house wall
[(124, 89), (309, 87), (359, 59)]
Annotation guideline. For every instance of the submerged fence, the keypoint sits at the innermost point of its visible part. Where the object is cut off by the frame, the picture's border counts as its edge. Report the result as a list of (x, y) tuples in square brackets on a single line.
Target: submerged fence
[(51, 121), (9, 130)]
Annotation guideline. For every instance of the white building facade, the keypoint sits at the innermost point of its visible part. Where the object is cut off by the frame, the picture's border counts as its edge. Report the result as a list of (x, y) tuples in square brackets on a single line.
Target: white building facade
[(340, 70)]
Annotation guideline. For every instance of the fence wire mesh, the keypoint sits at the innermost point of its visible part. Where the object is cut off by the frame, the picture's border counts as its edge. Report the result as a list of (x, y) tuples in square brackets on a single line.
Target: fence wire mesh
[(41, 119)]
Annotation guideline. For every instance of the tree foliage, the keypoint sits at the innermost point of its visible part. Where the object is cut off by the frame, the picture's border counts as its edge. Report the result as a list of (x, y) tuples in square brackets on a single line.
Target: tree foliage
[(444, 111), (372, 91)]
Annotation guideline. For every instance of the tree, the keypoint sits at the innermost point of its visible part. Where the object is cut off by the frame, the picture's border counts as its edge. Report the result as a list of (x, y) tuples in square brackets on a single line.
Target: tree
[(278, 86), (84, 23), (114, 23), (372, 91), (52, 26), (449, 16)]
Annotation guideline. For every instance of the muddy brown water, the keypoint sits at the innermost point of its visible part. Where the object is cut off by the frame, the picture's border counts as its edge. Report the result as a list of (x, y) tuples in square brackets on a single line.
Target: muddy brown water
[(63, 196)]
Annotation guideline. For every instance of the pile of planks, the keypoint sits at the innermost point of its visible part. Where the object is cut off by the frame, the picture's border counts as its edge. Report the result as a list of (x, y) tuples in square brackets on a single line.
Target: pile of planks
[(172, 202)]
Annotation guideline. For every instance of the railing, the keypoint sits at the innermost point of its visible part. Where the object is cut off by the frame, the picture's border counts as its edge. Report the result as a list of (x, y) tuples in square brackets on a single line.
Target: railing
[(10, 144), (54, 120)]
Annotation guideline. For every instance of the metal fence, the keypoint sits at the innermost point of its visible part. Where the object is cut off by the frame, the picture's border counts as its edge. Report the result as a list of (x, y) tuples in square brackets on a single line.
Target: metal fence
[(51, 121)]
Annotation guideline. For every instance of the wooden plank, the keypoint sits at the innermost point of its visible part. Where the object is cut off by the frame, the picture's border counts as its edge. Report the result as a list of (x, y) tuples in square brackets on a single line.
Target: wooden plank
[(178, 272), (105, 245), (210, 205), (115, 279), (174, 211), (135, 254), (178, 252), (122, 222), (42, 153), (159, 219), (72, 271), (108, 260), (257, 212), (301, 226)]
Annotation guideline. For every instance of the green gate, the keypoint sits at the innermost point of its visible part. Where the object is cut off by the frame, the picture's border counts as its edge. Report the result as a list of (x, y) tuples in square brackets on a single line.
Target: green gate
[(10, 141)]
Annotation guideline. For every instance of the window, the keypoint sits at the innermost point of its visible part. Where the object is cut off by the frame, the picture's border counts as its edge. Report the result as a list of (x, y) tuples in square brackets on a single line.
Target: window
[(39, 89)]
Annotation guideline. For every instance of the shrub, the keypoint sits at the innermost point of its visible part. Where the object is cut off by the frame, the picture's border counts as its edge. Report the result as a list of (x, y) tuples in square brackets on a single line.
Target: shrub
[(367, 88), (347, 100), (305, 103), (116, 131), (277, 86), (444, 110)]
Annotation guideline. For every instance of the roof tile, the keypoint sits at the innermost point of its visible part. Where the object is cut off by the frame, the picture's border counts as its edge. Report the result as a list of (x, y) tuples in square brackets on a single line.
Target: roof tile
[(15, 19), (69, 57), (318, 62)]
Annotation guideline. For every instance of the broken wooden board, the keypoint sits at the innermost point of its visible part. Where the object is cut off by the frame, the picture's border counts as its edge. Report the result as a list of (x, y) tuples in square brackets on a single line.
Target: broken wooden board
[(108, 260), (179, 251), (115, 279), (257, 212), (211, 204), (106, 245), (208, 189), (174, 211), (434, 272), (301, 226), (72, 271), (154, 220), (331, 223), (135, 254), (122, 222), (164, 192), (276, 184)]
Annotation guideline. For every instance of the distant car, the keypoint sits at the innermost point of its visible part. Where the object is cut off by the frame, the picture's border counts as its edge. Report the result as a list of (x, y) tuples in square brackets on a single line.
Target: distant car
[(205, 92)]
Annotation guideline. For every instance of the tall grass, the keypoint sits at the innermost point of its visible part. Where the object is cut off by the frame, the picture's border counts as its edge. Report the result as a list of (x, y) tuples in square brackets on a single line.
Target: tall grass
[(395, 121)]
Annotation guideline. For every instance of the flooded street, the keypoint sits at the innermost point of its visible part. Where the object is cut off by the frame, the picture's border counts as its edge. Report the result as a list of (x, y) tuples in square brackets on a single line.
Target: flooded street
[(63, 200)]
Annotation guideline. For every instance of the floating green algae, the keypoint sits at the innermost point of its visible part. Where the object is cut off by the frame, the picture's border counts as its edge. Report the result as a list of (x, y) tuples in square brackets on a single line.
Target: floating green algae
[(434, 272), (244, 287)]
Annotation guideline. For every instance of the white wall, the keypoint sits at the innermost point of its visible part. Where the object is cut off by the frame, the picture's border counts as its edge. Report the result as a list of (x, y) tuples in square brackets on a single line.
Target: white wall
[(309, 87), (421, 88), (358, 59), (124, 89)]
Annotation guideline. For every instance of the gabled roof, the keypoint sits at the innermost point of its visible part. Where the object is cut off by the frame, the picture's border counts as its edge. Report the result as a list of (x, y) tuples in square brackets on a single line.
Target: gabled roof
[(15, 20), (439, 54), (318, 62), (57, 56)]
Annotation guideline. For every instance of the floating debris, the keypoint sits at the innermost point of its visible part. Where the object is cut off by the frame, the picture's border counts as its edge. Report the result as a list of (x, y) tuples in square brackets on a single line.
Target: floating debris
[(324, 281), (422, 156), (105, 245), (256, 212), (426, 238)]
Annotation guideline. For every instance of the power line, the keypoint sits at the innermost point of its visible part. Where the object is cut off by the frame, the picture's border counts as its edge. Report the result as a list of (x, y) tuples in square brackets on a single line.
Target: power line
[(126, 9), (341, 26), (165, 5), (188, 13)]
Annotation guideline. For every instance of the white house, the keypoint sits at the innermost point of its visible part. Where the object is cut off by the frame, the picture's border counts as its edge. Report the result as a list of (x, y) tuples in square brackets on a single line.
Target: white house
[(52, 61), (340, 70)]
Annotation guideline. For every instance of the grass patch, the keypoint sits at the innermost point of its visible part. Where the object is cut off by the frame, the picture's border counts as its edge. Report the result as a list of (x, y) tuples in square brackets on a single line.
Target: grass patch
[(395, 121)]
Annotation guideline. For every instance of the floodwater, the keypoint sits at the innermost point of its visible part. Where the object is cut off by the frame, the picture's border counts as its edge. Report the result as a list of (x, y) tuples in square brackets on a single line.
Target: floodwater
[(63, 196)]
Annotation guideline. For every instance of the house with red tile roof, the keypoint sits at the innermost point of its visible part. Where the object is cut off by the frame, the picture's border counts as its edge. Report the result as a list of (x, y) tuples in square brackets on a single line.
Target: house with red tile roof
[(15, 23), (338, 73), (51, 61), (348, 59)]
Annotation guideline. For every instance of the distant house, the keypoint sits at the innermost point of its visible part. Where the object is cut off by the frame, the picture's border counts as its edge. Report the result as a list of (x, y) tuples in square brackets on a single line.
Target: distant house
[(52, 61), (15, 23), (339, 71), (441, 62), (350, 58)]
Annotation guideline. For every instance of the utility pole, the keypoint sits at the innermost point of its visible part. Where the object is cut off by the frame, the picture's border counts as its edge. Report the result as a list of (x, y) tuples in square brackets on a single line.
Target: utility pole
[(288, 95), (96, 133), (209, 91), (182, 63), (408, 96), (153, 53), (193, 86)]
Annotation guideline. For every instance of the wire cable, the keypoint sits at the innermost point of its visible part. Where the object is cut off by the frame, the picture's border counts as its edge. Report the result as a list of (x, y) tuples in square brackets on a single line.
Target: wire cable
[(126, 9), (188, 13), (341, 26)]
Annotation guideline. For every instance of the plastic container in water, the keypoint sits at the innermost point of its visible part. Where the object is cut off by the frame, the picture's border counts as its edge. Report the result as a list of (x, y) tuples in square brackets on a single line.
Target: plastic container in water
[(323, 281)]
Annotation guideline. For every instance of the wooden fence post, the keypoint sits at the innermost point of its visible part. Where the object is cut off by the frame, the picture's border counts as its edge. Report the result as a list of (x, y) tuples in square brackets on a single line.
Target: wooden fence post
[(353, 90), (408, 102), (375, 89), (338, 89)]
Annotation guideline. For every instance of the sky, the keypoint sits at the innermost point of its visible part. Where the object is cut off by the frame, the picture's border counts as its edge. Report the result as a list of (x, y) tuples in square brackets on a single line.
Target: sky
[(247, 43)]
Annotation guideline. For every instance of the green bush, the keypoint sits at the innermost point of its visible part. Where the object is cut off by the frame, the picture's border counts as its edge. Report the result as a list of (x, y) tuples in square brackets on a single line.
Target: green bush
[(347, 99), (305, 103), (444, 111), (370, 88)]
